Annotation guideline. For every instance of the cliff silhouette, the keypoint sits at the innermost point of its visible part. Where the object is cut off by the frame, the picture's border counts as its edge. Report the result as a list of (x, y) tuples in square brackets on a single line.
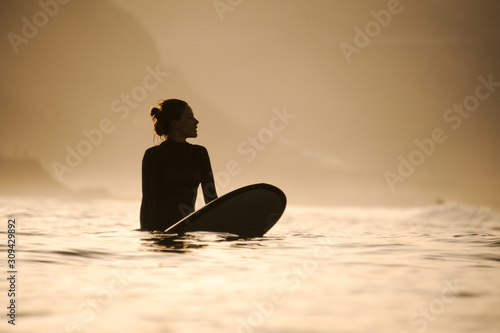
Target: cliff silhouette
[(25, 177)]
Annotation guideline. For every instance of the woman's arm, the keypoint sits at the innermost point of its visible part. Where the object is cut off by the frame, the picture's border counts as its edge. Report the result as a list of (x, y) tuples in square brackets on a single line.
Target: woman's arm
[(207, 178), (150, 178)]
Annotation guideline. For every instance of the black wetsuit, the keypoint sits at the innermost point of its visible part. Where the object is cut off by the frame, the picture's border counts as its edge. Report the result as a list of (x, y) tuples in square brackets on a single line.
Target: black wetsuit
[(171, 174)]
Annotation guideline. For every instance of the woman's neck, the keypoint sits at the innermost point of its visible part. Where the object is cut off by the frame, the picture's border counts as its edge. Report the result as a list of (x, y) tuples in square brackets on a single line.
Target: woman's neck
[(176, 138)]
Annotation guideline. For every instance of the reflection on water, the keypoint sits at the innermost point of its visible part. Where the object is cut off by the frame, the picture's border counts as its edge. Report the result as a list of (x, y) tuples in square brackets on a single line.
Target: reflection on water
[(160, 242)]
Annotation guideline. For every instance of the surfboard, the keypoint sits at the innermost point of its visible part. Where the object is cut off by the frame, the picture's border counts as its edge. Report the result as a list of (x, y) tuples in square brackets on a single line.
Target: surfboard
[(248, 212)]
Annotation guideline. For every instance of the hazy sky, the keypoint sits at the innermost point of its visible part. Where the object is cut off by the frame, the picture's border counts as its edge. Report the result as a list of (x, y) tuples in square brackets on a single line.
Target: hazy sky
[(323, 98)]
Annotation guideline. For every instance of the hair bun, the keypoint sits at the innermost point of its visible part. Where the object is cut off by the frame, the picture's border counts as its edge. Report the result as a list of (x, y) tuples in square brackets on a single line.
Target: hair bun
[(155, 112)]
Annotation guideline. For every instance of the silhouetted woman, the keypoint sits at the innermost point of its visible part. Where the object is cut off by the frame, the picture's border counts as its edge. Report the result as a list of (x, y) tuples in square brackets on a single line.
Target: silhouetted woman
[(173, 170)]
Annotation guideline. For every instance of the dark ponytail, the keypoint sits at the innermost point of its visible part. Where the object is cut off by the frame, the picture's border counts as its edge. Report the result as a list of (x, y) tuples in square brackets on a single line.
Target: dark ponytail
[(162, 116)]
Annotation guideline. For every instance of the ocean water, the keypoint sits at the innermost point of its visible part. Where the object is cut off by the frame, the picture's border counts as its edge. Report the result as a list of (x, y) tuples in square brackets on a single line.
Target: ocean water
[(84, 267)]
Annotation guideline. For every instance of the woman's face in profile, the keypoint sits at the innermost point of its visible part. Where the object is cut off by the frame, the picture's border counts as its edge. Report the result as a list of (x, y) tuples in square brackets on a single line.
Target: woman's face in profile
[(187, 125)]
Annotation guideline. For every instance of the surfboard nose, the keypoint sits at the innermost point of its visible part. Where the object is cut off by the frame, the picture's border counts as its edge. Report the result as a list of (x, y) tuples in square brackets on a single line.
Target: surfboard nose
[(247, 212)]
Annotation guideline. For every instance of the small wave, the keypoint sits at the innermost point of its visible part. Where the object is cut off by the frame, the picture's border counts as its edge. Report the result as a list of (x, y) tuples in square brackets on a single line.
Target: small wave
[(494, 243), (81, 253), (457, 212)]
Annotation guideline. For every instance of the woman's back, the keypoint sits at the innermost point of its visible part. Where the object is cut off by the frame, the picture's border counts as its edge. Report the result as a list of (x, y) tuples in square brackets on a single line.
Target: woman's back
[(173, 170)]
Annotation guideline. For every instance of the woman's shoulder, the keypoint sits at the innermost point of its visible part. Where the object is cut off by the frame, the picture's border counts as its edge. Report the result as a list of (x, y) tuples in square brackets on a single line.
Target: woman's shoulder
[(158, 149), (152, 151), (200, 149)]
